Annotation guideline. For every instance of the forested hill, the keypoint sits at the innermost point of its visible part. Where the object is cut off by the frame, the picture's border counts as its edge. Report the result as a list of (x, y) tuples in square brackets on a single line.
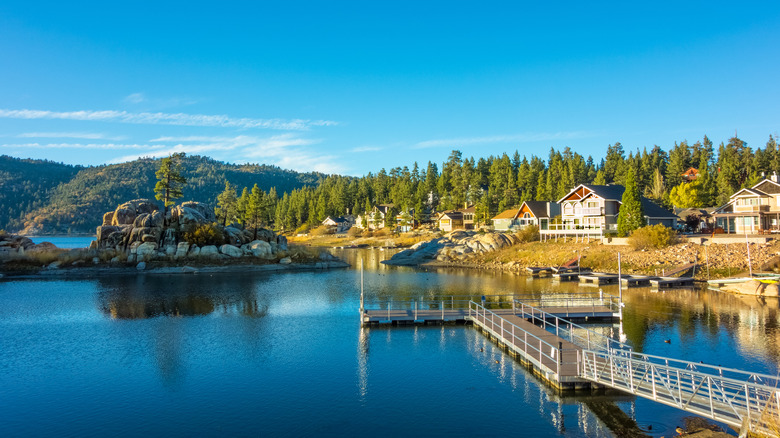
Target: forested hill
[(25, 186), (47, 197)]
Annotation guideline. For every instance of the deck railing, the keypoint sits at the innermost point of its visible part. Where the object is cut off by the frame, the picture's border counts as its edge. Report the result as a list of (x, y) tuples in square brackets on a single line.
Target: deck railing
[(533, 348), (571, 301), (738, 398), (565, 329)]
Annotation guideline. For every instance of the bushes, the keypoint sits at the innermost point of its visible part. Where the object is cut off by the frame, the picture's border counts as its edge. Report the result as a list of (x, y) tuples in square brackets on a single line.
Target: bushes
[(207, 234), (354, 232), (323, 230), (652, 237), (303, 229), (528, 234)]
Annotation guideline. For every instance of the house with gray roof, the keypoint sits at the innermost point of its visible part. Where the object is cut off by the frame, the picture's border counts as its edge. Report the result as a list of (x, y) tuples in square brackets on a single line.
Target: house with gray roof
[(592, 210), (752, 209)]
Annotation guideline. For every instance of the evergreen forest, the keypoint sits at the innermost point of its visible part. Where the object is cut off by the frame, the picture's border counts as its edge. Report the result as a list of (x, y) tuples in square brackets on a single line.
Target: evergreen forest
[(58, 198)]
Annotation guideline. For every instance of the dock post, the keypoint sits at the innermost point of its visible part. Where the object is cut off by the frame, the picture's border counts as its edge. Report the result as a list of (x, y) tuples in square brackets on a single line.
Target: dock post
[(560, 354), (442, 310), (620, 291)]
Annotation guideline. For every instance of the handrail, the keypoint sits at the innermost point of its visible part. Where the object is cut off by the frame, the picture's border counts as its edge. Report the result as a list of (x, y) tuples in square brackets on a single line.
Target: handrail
[(570, 300), (565, 329), (519, 338), (732, 396)]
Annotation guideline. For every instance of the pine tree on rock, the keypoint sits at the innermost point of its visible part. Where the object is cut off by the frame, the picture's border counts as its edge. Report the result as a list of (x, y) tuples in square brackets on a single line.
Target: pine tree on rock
[(227, 202), (632, 215), (169, 181)]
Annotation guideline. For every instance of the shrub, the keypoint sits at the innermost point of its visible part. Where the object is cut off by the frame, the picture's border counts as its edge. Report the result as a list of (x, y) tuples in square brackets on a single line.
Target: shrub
[(354, 232), (206, 234), (303, 229), (323, 230), (528, 234), (652, 236), (383, 232)]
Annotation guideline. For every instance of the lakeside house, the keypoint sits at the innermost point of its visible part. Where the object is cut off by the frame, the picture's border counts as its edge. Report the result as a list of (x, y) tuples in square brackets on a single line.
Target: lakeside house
[(340, 223), (691, 174), (592, 210), (752, 210), (536, 213), (462, 219), (375, 218), (706, 219)]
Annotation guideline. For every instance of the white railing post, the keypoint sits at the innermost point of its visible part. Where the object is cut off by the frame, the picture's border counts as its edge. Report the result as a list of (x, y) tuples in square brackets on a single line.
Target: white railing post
[(415, 310), (442, 310)]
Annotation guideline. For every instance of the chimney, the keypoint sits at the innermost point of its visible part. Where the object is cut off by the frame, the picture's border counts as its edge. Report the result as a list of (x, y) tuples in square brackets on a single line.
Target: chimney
[(774, 176)]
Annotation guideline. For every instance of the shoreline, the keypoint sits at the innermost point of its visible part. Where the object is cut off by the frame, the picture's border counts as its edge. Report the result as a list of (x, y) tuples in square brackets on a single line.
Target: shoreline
[(91, 272)]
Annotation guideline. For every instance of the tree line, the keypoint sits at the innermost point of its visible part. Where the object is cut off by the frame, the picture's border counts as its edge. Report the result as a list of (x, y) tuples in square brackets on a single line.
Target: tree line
[(495, 183)]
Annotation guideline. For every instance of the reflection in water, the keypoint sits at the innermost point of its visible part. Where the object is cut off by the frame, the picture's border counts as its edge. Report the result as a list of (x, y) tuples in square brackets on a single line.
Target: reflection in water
[(704, 317), (152, 296)]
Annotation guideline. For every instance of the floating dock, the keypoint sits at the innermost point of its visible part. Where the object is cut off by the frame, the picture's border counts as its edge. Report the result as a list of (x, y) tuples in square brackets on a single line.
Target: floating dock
[(672, 282), (598, 278)]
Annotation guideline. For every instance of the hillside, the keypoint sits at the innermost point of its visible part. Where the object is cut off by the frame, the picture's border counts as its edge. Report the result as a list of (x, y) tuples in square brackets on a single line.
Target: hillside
[(53, 198), (25, 186)]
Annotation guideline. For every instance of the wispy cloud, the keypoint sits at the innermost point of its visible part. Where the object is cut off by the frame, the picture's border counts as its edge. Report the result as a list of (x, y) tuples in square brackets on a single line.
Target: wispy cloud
[(289, 150), (135, 98), (80, 135), (516, 138), (160, 118), (157, 103), (366, 149)]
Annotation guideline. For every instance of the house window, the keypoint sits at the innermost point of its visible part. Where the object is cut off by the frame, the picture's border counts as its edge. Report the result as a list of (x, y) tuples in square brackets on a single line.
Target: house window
[(593, 204), (526, 215), (544, 224)]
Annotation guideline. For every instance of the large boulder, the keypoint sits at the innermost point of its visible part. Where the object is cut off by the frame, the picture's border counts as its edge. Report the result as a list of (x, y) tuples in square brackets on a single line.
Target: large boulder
[(108, 218), (193, 213), (146, 251), (259, 248), (181, 250), (235, 236), (209, 251), (230, 250), (126, 213)]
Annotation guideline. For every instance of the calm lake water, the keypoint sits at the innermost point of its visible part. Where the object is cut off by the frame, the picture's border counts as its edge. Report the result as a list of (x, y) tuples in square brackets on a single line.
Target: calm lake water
[(67, 242), (284, 355)]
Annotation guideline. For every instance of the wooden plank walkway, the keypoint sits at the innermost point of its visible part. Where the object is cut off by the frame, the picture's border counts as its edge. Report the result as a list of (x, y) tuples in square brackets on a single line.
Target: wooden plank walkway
[(550, 357)]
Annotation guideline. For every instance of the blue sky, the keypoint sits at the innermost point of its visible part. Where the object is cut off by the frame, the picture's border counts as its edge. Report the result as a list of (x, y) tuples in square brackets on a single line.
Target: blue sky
[(352, 87)]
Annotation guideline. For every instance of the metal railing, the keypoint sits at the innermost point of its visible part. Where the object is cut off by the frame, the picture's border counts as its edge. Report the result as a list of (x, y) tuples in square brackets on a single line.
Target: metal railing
[(533, 348), (737, 398), (571, 301), (565, 329)]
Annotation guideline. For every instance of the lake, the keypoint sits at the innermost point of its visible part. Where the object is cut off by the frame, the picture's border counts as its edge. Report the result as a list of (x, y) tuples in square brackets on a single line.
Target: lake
[(284, 355), (65, 242)]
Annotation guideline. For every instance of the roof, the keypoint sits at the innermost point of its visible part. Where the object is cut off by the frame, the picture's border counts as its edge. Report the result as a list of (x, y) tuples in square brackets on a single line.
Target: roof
[(508, 214), (654, 210), (614, 192), (768, 186), (452, 214), (538, 208), (749, 191)]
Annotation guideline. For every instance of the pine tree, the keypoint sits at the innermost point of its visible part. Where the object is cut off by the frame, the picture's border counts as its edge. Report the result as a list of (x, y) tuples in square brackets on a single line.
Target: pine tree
[(169, 181), (631, 215), (226, 204)]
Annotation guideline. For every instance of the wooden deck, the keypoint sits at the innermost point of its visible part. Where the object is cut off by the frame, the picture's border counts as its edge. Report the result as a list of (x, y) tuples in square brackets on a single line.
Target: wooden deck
[(550, 357)]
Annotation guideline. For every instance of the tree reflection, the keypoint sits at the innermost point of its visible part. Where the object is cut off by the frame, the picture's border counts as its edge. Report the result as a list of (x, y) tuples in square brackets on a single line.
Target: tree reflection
[(149, 296)]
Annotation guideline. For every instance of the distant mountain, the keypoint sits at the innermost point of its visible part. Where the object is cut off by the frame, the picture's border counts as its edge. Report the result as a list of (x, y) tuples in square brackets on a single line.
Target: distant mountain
[(53, 198)]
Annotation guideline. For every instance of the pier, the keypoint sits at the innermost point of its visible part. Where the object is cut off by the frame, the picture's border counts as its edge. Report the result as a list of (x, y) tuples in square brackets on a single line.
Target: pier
[(540, 333)]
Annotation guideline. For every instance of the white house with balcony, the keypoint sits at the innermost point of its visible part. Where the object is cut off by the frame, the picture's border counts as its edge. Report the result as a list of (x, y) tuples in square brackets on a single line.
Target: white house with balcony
[(592, 210), (752, 210)]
